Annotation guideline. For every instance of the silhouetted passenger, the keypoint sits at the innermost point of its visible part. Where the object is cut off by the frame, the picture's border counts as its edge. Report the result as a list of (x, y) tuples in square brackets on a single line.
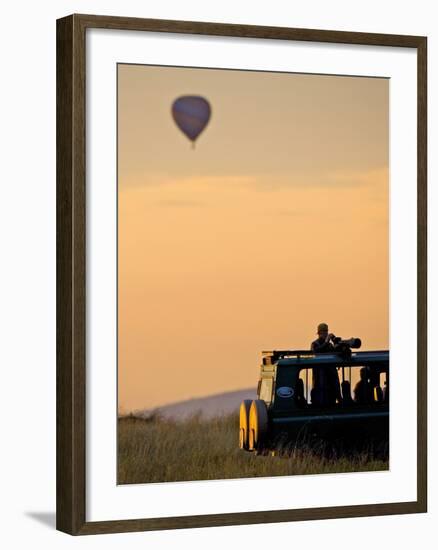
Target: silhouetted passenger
[(378, 394), (386, 392), (346, 392), (363, 390)]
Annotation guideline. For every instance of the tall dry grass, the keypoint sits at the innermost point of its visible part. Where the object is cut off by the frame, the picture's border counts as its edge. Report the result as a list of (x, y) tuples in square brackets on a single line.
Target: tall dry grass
[(157, 450)]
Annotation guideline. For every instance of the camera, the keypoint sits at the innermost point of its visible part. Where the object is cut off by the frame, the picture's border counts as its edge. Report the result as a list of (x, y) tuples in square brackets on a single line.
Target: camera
[(341, 345)]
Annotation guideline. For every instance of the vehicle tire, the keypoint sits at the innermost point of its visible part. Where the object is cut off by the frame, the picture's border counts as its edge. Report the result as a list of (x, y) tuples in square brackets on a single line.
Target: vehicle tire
[(244, 424), (258, 425)]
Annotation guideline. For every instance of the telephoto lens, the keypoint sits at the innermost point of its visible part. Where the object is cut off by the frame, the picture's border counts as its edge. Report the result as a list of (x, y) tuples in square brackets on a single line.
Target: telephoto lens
[(354, 343)]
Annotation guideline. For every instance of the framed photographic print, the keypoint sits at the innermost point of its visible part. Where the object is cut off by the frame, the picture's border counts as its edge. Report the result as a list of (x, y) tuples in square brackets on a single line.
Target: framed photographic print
[(241, 274)]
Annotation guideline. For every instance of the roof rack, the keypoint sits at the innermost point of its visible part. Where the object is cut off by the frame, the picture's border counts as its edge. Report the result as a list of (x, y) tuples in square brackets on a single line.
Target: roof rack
[(272, 356), (279, 354)]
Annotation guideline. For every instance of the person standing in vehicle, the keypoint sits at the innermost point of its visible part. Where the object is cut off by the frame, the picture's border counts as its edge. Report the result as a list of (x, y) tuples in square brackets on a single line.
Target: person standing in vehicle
[(326, 387)]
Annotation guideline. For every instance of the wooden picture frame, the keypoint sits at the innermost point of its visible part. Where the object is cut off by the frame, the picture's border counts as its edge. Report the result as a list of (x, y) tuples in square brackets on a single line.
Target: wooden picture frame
[(71, 273)]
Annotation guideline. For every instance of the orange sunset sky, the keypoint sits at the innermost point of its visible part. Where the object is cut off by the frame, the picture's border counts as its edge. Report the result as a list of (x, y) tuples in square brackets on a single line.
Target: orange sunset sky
[(276, 221)]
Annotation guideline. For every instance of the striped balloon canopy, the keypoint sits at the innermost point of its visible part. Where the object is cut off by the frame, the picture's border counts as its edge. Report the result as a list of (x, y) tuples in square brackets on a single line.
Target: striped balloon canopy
[(191, 114)]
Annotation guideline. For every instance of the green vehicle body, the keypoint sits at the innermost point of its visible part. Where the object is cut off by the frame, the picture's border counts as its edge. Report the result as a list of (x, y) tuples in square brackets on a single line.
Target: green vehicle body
[(285, 412)]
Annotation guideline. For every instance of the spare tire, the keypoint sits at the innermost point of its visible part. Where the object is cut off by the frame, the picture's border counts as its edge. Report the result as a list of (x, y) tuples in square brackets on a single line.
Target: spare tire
[(258, 424), (244, 424)]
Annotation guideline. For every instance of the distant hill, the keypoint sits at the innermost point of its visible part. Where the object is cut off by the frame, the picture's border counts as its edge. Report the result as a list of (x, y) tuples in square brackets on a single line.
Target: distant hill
[(209, 406)]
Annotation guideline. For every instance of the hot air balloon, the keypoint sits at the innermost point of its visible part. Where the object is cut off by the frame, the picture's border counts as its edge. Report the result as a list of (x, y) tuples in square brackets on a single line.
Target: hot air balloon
[(191, 114)]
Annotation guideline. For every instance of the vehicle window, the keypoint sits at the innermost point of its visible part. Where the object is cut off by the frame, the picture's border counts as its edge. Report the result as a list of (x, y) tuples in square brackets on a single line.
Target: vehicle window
[(306, 376), (354, 384)]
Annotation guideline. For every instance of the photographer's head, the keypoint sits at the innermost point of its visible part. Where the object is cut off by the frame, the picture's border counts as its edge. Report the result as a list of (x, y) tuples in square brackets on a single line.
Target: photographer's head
[(322, 330)]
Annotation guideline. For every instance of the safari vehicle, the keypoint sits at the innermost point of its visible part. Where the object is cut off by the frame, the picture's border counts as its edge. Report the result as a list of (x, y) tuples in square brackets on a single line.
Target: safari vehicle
[(289, 405)]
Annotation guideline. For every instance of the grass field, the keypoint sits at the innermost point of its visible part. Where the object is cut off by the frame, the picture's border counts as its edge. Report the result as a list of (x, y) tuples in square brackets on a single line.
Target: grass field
[(157, 450)]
